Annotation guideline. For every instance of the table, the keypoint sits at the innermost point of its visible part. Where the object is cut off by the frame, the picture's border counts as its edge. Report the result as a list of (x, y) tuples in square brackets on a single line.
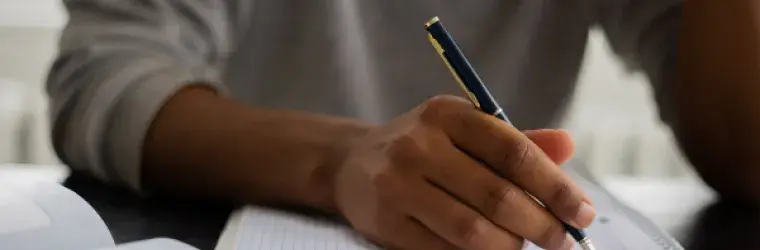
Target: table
[(715, 226), (131, 217)]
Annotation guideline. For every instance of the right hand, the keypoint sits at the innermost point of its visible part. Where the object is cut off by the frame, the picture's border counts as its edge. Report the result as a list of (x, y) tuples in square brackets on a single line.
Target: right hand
[(447, 176)]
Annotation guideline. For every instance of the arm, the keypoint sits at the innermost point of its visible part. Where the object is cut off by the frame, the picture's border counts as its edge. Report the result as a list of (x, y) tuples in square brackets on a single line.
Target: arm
[(125, 99), (717, 93), (118, 62), (136, 99), (203, 144), (702, 59)]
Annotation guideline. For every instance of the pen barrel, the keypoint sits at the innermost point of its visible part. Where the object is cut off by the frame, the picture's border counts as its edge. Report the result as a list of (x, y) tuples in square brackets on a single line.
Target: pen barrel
[(578, 235), (464, 71), (502, 116), (475, 88)]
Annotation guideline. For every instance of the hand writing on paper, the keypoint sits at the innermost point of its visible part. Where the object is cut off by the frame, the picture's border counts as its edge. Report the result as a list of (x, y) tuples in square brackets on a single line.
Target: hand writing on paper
[(423, 182)]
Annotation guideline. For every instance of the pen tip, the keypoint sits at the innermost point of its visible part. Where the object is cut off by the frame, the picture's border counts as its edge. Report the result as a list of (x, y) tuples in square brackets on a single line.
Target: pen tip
[(587, 245), (432, 21)]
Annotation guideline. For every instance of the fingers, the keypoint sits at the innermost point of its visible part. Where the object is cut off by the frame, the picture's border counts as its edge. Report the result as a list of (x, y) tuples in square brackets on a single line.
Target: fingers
[(497, 199), (412, 235), (457, 223), (557, 144), (514, 156)]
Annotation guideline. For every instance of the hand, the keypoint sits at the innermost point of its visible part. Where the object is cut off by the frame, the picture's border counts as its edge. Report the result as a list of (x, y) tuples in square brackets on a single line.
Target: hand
[(424, 181)]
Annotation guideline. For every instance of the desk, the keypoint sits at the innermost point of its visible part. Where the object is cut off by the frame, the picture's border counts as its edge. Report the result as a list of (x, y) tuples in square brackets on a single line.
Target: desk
[(131, 217), (718, 225)]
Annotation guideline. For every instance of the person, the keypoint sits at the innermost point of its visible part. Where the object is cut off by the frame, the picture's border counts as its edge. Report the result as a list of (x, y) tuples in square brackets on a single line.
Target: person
[(344, 107)]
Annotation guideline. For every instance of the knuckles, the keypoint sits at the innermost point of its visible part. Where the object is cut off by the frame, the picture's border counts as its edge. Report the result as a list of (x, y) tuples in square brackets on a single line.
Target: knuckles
[(402, 146), (413, 149), (550, 232), (469, 230), (437, 108), (516, 155), (500, 200), (563, 197), (390, 189), (382, 215), (387, 183), (446, 102)]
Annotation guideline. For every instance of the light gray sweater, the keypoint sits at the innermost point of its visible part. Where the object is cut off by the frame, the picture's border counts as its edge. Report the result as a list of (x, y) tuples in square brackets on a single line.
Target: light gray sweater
[(120, 60)]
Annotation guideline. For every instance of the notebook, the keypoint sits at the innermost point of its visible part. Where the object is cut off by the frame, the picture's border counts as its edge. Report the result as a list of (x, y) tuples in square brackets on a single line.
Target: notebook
[(259, 228), (48, 216)]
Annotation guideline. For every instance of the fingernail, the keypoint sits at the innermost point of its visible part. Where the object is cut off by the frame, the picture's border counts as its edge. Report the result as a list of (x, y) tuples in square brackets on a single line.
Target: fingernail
[(585, 216)]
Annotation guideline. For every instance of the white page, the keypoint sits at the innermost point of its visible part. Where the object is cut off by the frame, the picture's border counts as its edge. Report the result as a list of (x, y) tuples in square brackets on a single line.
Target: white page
[(153, 244), (268, 229), (256, 228), (49, 216), (19, 214)]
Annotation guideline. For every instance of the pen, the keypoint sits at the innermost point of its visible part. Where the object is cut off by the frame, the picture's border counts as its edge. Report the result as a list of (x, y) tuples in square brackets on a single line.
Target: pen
[(478, 93)]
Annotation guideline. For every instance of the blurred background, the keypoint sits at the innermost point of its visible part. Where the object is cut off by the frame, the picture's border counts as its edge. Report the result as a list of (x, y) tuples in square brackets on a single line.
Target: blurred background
[(613, 118)]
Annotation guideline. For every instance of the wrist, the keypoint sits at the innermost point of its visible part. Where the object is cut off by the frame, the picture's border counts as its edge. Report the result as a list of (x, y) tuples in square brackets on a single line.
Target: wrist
[(335, 155)]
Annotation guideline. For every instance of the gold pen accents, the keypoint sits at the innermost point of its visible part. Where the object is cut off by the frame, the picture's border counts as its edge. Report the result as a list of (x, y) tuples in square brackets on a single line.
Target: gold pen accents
[(432, 21), (437, 46), (471, 83), (442, 54)]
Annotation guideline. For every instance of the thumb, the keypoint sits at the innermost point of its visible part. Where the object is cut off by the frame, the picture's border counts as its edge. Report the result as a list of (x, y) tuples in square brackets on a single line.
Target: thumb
[(557, 144)]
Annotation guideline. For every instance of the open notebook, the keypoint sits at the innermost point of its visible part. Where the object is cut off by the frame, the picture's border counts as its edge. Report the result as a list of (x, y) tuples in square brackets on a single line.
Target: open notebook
[(257, 228), (47, 216)]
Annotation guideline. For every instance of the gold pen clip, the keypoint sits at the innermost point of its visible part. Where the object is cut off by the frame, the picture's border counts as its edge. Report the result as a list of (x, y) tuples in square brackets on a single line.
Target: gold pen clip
[(442, 53)]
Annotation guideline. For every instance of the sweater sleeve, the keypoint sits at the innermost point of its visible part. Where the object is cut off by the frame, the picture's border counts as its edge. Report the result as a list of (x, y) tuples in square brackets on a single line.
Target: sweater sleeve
[(119, 61)]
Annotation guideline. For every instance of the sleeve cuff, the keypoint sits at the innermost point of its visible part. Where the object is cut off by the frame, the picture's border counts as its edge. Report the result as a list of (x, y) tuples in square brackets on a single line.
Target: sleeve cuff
[(135, 112)]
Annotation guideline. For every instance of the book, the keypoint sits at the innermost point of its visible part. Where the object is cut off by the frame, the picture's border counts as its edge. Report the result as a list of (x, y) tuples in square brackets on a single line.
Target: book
[(48, 216), (260, 228)]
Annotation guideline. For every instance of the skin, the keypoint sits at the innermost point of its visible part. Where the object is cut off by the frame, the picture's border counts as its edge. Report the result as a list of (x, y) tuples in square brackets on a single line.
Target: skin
[(717, 94), (424, 180), (414, 183)]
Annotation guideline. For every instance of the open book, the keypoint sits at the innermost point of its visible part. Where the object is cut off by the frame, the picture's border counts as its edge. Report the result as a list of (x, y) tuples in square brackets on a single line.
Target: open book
[(257, 228), (47, 216)]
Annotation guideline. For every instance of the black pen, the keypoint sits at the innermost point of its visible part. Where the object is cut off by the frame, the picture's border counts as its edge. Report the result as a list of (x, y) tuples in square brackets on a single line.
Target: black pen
[(477, 92)]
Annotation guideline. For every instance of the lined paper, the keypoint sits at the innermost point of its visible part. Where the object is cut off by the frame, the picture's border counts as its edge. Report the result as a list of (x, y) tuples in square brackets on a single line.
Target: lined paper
[(268, 229)]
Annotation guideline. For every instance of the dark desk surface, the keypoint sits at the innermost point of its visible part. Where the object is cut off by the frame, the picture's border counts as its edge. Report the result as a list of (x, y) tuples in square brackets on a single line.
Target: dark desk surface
[(131, 218), (719, 226)]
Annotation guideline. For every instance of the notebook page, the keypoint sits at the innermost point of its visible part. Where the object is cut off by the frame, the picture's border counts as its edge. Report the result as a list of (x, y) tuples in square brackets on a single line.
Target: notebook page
[(613, 230), (267, 229)]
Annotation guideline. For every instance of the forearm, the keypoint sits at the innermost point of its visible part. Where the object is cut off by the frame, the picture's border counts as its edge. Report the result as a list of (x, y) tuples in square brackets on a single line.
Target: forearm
[(202, 144), (718, 93)]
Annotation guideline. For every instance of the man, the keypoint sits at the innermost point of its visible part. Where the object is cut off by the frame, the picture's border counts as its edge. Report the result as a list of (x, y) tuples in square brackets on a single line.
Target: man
[(328, 104)]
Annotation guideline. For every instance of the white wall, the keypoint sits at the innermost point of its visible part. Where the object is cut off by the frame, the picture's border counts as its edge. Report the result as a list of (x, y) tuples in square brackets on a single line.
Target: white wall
[(28, 32), (615, 122), (25, 55), (31, 13)]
